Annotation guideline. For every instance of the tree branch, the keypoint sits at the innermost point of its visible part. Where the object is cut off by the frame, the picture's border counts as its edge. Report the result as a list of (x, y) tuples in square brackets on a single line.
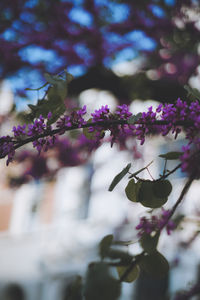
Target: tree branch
[(105, 124), (183, 193)]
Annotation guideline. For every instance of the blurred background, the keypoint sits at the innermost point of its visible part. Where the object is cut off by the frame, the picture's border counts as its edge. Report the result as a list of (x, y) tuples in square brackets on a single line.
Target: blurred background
[(55, 208)]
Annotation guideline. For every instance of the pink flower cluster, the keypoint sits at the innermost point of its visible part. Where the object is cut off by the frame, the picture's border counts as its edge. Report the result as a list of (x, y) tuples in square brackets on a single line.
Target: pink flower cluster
[(155, 224)]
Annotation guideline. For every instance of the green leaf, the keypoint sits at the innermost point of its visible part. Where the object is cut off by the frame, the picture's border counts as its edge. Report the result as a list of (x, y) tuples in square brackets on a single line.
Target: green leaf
[(132, 190), (33, 107), (99, 283), (119, 177), (148, 242), (134, 118), (104, 245), (193, 93), (132, 276), (155, 264), (58, 91), (171, 155), (146, 195), (55, 97), (74, 289), (89, 135), (50, 78), (162, 188), (124, 257)]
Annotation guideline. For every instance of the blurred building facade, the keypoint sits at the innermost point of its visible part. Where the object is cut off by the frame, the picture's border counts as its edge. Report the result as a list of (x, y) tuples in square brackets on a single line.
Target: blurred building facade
[(49, 231)]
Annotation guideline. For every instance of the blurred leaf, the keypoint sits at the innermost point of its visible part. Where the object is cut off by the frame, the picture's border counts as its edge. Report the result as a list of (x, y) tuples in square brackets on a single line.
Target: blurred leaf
[(133, 275), (171, 155), (134, 118), (162, 188), (100, 285), (146, 195), (132, 190), (74, 289), (124, 257), (155, 264), (52, 79), (148, 242), (89, 135), (54, 101), (119, 177), (105, 244), (193, 93)]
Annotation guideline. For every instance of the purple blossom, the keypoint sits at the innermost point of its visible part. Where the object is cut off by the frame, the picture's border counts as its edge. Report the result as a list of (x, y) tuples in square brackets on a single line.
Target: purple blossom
[(147, 225), (165, 221), (7, 148), (37, 127), (119, 131), (155, 223), (144, 128), (74, 119), (101, 114), (123, 112), (191, 160), (63, 123), (44, 143), (19, 130), (49, 115)]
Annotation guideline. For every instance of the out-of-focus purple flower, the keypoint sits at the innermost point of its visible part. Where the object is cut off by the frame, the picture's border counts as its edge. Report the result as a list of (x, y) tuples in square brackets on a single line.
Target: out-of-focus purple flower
[(191, 160), (49, 115), (155, 223), (147, 225), (44, 143), (7, 148), (38, 167), (165, 221)]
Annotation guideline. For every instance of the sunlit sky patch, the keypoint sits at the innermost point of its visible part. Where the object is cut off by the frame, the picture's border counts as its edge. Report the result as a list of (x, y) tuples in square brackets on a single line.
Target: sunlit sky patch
[(80, 16), (157, 11), (170, 2)]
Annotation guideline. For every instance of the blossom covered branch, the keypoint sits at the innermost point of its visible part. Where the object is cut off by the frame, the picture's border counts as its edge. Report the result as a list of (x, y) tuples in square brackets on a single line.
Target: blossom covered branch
[(167, 118)]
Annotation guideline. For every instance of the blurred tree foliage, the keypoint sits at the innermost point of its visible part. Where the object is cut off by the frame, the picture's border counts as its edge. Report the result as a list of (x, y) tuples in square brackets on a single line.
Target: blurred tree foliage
[(92, 35)]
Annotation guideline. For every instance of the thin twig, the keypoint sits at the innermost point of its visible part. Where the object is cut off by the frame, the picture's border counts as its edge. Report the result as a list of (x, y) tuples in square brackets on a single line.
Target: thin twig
[(170, 172), (183, 193)]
